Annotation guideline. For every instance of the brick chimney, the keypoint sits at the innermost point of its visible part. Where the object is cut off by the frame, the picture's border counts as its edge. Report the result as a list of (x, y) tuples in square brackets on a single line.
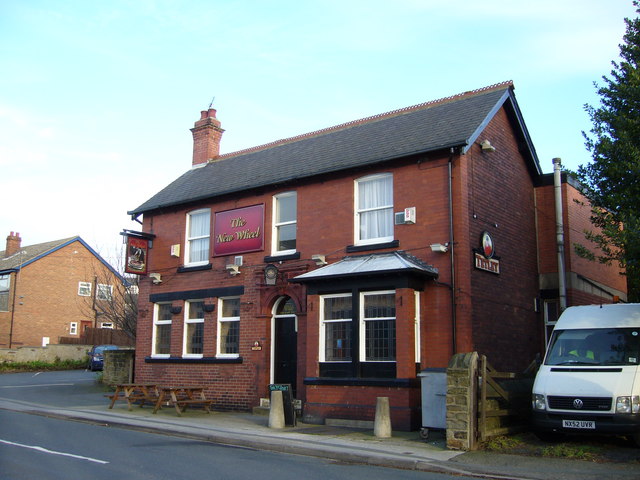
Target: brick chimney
[(206, 137), (13, 244)]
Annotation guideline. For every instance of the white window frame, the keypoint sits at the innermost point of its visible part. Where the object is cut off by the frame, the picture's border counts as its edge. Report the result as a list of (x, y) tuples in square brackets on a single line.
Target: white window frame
[(73, 328), (417, 326), (363, 320), (222, 320), (277, 224), (358, 211), (323, 330), (156, 322), (84, 289), (189, 238), (191, 321), (5, 281), (104, 292)]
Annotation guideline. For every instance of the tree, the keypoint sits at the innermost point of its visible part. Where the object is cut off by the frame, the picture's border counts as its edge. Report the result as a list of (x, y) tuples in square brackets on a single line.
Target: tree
[(114, 298), (611, 181)]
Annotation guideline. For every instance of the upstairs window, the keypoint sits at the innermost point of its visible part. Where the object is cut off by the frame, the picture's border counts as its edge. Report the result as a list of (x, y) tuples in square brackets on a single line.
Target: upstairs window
[(374, 209), (198, 233), (84, 289), (284, 223), (105, 292), (5, 286)]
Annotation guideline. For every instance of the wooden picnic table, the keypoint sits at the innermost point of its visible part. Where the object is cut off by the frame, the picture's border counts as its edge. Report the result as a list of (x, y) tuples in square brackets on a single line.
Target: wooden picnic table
[(181, 397), (134, 392)]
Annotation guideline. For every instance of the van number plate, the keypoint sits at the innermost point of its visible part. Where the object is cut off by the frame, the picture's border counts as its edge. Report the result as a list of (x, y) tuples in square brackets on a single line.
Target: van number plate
[(579, 424)]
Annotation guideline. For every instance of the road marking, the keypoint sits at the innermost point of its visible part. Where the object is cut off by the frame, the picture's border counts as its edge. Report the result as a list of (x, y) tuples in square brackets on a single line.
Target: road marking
[(53, 452), (38, 385)]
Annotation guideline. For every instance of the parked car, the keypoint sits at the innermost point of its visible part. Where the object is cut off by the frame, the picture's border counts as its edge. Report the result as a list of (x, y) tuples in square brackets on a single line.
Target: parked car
[(96, 357)]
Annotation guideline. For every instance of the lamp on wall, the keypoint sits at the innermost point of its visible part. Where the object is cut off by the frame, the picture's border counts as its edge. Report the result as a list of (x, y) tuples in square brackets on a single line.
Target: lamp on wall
[(233, 269), (319, 259), (439, 247), (487, 147)]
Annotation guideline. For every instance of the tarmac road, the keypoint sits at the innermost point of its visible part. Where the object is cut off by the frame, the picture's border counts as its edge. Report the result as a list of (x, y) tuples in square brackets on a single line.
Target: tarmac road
[(76, 395)]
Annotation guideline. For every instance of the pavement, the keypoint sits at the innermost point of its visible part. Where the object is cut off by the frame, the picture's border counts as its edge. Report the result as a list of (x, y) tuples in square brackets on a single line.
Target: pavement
[(404, 450)]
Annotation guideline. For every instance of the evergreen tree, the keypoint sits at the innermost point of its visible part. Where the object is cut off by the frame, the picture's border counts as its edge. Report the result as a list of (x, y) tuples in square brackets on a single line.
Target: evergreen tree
[(612, 180)]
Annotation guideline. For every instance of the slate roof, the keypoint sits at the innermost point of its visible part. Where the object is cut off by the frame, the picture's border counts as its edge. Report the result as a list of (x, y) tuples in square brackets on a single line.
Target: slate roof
[(441, 124), (372, 264), (31, 253)]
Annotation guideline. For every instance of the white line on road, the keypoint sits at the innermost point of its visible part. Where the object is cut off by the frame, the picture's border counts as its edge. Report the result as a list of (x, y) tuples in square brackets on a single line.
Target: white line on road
[(38, 385), (53, 452)]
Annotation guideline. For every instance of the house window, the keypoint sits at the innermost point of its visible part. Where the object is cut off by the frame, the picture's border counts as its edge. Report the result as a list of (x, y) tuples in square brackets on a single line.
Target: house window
[(229, 327), (358, 335), (335, 339), (105, 292), (374, 209), (284, 223), (378, 328), (194, 328), (84, 289), (73, 328), (5, 286), (198, 231), (161, 329)]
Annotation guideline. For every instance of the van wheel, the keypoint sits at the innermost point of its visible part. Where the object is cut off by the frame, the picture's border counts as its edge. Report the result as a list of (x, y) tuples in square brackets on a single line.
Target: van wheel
[(635, 439)]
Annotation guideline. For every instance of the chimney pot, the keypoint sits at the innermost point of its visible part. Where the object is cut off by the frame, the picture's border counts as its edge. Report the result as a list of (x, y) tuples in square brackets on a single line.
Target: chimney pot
[(206, 137), (13, 244)]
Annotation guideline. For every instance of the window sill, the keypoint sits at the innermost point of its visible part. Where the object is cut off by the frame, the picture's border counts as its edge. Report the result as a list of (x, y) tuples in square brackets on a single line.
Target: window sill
[(372, 246), (282, 258), (195, 268), (364, 382), (184, 360)]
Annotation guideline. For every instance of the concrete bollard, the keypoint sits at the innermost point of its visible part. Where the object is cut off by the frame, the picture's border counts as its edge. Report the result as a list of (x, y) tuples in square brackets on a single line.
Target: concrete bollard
[(382, 423), (276, 410)]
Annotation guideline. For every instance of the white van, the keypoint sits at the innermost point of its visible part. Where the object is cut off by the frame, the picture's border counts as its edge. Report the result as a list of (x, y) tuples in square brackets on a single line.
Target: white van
[(589, 381)]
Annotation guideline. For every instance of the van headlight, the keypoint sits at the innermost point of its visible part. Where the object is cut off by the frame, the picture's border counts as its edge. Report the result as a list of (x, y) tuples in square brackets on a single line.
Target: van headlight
[(628, 404), (538, 402)]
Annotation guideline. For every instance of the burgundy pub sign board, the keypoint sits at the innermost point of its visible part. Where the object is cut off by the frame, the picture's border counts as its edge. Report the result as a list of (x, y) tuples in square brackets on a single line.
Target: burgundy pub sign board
[(239, 230)]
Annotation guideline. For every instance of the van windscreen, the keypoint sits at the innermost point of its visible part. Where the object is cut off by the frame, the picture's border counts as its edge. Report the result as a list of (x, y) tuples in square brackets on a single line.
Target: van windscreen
[(594, 346)]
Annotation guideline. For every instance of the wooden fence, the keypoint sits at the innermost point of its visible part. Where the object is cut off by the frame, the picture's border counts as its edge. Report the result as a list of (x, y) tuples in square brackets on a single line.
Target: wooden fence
[(100, 336), (504, 399)]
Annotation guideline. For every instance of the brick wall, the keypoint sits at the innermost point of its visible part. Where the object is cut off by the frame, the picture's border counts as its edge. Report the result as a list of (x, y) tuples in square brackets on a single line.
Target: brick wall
[(47, 299)]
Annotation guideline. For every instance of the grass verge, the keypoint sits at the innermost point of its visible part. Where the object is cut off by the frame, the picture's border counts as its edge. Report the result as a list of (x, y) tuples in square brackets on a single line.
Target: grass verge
[(38, 366)]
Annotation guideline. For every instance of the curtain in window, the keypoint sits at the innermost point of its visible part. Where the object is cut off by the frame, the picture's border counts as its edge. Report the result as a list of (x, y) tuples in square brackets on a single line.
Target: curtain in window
[(199, 237), (375, 203)]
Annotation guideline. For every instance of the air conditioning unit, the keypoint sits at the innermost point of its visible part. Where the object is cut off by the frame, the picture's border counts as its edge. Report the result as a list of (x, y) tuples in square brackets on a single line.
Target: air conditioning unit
[(399, 218)]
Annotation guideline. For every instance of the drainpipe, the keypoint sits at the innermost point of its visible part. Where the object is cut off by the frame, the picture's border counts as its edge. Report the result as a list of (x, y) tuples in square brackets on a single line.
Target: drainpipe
[(453, 265), (557, 186)]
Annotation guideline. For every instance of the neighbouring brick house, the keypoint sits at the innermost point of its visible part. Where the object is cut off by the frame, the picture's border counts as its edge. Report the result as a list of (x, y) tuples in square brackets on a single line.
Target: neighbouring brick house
[(345, 261), (48, 291)]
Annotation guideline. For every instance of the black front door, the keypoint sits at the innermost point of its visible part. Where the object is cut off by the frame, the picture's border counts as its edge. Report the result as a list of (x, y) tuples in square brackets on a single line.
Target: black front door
[(285, 351)]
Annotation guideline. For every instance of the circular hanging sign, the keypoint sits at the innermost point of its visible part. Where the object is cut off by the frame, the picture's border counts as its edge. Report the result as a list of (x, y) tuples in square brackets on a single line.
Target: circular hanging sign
[(487, 244)]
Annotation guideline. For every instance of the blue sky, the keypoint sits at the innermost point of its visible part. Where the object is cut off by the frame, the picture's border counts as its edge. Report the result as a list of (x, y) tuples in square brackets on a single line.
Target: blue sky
[(97, 97)]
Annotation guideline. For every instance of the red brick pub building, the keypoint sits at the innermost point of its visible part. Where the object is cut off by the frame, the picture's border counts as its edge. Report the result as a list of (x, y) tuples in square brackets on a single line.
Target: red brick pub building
[(345, 261)]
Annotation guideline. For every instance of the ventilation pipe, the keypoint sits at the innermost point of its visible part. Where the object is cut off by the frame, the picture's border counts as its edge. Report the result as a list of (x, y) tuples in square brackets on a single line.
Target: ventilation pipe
[(557, 186)]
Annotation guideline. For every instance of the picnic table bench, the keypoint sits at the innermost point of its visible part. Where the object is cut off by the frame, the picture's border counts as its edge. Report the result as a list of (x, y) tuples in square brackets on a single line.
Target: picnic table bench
[(181, 397), (134, 393)]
